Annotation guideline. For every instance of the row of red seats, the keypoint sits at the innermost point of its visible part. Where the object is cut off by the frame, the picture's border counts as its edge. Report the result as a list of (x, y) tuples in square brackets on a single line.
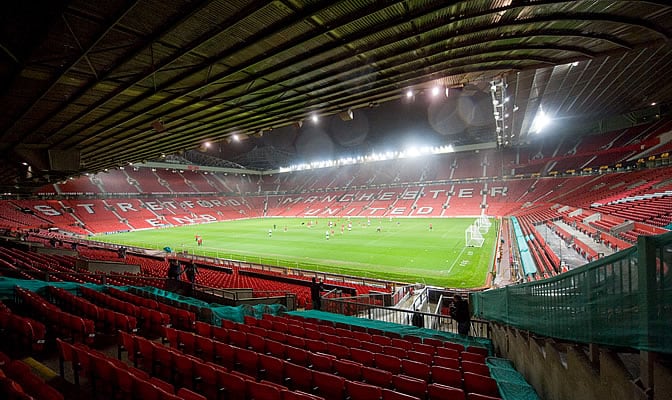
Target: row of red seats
[(150, 320), (213, 381), (370, 350), (355, 364), (249, 352), (107, 319), (17, 381), (303, 370), (178, 317), (111, 378), (60, 323), (345, 330)]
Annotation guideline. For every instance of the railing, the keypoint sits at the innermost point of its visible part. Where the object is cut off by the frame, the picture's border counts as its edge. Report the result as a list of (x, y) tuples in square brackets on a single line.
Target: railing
[(300, 269), (364, 307), (622, 300)]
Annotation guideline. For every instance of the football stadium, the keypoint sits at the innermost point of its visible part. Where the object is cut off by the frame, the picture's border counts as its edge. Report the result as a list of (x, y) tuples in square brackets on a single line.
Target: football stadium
[(351, 200)]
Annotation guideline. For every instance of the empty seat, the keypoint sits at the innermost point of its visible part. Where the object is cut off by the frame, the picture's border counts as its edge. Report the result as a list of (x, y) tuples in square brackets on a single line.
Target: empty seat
[(362, 391), (263, 391), (271, 368), (298, 377), (473, 357), (388, 363), (436, 391), (416, 369), (350, 370), (477, 368), (299, 395), (247, 361), (477, 396), (409, 385), (395, 351), (447, 376), (478, 350), (231, 384), (424, 348), (378, 377), (389, 394), (338, 350), (362, 356), (453, 363), (475, 383), (447, 352), (329, 386), (420, 356), (187, 394)]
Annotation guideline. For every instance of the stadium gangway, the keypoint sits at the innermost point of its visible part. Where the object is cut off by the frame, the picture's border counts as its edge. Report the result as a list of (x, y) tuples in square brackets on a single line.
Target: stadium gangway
[(443, 323)]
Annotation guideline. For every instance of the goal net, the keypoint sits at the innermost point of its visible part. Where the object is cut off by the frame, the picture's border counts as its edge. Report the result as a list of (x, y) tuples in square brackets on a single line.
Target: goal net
[(473, 236), (484, 223)]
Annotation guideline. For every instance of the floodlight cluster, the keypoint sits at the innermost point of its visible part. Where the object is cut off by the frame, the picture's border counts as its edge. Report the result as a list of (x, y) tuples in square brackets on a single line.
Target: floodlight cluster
[(389, 155), (502, 109)]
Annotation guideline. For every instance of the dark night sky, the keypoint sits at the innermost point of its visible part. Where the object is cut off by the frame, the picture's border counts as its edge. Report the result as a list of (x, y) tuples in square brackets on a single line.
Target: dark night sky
[(462, 118)]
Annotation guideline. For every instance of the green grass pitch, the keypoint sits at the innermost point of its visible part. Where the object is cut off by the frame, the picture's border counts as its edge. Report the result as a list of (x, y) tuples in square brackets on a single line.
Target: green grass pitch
[(404, 249)]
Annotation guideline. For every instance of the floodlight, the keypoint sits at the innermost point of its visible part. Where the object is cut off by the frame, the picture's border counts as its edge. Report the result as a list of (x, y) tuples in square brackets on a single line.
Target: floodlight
[(540, 121), (575, 63), (206, 144), (315, 118), (435, 91), (653, 103), (409, 94)]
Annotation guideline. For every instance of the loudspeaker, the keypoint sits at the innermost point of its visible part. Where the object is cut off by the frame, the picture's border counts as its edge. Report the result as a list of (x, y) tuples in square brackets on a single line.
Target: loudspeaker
[(346, 115), (64, 160)]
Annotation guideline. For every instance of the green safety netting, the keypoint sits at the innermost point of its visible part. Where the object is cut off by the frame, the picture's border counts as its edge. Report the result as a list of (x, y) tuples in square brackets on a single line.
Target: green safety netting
[(7, 286), (622, 300), (512, 385)]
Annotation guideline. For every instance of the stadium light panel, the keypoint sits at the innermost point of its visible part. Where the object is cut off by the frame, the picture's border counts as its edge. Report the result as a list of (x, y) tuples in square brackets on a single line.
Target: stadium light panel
[(540, 121)]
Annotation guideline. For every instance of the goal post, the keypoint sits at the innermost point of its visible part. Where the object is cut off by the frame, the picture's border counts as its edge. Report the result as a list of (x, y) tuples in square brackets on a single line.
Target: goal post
[(473, 236), (483, 224)]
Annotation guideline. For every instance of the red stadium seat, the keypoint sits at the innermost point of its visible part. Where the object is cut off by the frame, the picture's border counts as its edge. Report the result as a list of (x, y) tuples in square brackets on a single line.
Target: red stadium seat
[(436, 391), (362, 391)]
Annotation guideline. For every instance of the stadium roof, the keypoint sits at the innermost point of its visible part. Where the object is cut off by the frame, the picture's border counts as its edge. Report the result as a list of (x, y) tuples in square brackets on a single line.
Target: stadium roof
[(88, 85)]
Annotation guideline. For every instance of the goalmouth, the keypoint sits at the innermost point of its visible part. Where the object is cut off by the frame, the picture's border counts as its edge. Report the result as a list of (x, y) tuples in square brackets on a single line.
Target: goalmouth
[(473, 235)]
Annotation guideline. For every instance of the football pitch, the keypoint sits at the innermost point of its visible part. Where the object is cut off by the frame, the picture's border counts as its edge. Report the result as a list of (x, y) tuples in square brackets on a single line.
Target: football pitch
[(400, 249)]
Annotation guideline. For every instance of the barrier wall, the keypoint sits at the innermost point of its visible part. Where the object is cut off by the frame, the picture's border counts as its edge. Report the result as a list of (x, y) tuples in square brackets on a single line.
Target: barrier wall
[(623, 300)]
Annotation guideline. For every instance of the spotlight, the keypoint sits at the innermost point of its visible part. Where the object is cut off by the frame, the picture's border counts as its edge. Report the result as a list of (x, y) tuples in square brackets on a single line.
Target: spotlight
[(409, 94), (206, 145), (315, 118), (435, 91), (235, 137)]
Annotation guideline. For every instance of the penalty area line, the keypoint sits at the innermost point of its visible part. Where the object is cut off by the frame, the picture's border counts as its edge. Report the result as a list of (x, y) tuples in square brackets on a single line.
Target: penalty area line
[(456, 260)]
